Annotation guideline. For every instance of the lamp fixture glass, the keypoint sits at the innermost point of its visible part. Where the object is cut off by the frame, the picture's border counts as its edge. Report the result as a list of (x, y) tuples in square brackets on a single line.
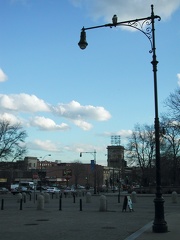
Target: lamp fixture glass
[(82, 43)]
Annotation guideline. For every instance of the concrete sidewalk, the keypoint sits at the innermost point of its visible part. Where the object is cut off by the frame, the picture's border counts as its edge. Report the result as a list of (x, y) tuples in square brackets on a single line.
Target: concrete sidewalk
[(173, 233), (72, 224)]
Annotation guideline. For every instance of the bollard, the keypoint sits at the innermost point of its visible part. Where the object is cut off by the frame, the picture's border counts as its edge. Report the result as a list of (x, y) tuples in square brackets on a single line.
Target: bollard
[(2, 204), (103, 204), (60, 204), (69, 195), (74, 198), (134, 197), (88, 197), (46, 197), (60, 195), (21, 201), (57, 194), (35, 197), (119, 198), (174, 197), (40, 202), (80, 202), (24, 197), (19, 197)]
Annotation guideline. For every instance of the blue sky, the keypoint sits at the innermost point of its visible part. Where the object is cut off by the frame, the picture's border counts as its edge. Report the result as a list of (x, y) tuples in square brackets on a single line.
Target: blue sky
[(71, 100)]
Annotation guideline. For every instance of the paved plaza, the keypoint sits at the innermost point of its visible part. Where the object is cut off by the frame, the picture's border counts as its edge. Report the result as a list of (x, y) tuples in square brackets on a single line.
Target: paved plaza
[(75, 219)]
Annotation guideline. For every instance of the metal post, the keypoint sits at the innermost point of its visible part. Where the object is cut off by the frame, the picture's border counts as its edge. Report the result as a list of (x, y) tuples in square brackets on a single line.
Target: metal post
[(146, 26), (95, 172), (95, 168), (80, 204), (21, 202), (159, 224), (119, 185), (60, 204), (2, 204)]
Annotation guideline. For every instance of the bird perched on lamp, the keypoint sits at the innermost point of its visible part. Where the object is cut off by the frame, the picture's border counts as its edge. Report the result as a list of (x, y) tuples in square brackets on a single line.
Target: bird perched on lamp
[(114, 19)]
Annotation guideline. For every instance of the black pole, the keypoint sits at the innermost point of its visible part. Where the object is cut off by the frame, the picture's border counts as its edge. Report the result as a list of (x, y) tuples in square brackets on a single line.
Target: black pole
[(24, 198), (95, 178), (159, 224), (80, 203), (2, 204), (60, 204), (119, 185), (95, 173), (118, 198), (113, 180), (21, 201)]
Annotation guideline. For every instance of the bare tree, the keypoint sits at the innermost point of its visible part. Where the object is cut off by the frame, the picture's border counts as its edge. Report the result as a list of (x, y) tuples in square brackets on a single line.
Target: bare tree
[(173, 104), (171, 149), (141, 150), (78, 170), (12, 139)]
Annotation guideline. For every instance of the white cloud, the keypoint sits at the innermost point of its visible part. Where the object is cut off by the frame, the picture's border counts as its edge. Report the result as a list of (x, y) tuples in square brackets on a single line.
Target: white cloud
[(3, 76), (10, 118), (128, 9), (124, 133), (48, 124), (74, 110), (78, 114), (23, 103), (178, 76), (43, 145), (82, 124)]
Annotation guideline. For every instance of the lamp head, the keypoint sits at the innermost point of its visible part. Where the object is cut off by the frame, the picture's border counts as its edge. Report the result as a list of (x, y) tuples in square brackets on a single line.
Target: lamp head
[(82, 43)]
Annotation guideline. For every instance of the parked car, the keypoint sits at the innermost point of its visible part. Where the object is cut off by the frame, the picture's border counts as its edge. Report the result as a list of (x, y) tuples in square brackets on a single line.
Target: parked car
[(69, 190), (3, 190), (43, 188), (20, 190), (53, 190), (78, 187), (114, 188), (14, 190)]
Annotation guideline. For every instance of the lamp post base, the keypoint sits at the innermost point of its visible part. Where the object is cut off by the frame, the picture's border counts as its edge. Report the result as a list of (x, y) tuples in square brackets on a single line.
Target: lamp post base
[(159, 225)]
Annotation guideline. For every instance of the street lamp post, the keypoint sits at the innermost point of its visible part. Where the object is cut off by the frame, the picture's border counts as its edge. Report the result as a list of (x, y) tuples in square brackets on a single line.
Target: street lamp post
[(146, 26), (94, 155), (41, 170)]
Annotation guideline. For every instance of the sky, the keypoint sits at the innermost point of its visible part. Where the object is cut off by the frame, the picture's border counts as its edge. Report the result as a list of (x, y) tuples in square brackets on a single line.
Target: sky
[(71, 100)]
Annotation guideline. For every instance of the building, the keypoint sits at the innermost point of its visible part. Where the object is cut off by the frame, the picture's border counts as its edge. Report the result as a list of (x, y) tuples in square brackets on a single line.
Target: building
[(115, 158), (31, 162)]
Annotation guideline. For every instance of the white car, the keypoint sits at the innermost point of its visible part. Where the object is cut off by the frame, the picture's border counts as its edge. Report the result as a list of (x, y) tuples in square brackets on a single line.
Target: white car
[(53, 190), (78, 186), (68, 189), (4, 190)]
